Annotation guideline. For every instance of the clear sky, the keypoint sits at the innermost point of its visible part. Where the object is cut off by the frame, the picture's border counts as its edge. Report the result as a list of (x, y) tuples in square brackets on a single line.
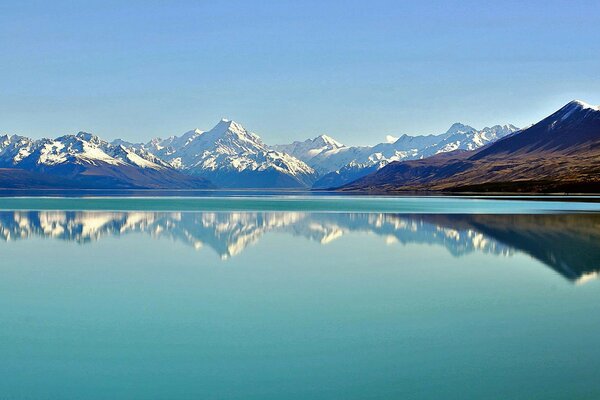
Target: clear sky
[(356, 70)]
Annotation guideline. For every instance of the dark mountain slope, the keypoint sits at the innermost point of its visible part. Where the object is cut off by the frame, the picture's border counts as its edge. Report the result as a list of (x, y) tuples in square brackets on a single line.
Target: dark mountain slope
[(560, 153), (12, 178)]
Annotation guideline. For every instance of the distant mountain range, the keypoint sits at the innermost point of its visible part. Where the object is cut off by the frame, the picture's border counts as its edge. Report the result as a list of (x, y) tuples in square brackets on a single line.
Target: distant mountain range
[(558, 154), (338, 164), (227, 156), (548, 238), (231, 157), (85, 161)]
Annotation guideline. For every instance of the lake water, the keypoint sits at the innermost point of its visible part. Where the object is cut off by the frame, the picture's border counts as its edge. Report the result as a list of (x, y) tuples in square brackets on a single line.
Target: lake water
[(299, 298)]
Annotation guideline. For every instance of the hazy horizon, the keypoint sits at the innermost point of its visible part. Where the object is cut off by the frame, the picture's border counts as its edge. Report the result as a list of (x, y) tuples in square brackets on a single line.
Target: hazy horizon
[(291, 71)]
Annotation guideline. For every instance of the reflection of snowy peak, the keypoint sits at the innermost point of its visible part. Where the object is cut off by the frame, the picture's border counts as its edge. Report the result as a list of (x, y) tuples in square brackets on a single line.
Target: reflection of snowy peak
[(230, 233), (548, 238), (230, 156)]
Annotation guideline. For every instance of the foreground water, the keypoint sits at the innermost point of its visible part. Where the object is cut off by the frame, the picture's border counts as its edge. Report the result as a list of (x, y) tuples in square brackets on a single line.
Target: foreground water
[(134, 298)]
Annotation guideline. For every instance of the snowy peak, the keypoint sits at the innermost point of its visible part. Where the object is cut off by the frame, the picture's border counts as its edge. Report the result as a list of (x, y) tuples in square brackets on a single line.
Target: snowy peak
[(578, 105), (327, 141), (509, 128), (350, 163), (188, 136), (166, 146), (227, 137), (83, 149), (229, 125), (573, 129), (136, 156), (468, 138), (573, 112), (88, 137), (582, 105), (234, 134), (15, 148), (313, 151), (231, 156), (457, 127), (8, 140)]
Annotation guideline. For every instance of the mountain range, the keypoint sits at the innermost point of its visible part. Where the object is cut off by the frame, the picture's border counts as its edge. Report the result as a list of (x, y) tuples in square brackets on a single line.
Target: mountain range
[(231, 157), (85, 161), (226, 156), (338, 164), (558, 154)]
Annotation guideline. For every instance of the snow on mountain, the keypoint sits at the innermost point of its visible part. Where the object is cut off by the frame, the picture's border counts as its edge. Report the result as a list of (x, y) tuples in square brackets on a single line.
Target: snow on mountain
[(327, 155), (88, 149), (575, 106), (574, 112), (85, 160), (14, 148), (350, 163), (574, 127), (335, 158), (348, 173), (230, 156), (310, 147), (556, 155), (468, 139), (457, 128), (166, 147), (137, 156)]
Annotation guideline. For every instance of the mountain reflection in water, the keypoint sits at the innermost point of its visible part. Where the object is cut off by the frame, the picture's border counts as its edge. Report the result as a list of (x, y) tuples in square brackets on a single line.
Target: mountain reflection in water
[(567, 243)]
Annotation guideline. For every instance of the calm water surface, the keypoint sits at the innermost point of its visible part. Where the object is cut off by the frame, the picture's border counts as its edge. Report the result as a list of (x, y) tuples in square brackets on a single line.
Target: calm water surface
[(266, 298)]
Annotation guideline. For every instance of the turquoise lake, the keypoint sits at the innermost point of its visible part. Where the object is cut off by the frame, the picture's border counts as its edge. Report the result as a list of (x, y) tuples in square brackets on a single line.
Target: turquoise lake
[(299, 297)]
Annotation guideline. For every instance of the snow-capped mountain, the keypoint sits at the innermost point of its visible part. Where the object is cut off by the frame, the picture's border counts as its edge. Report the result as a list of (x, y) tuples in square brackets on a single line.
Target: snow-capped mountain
[(310, 148), (559, 154), (85, 160), (80, 149), (227, 155), (230, 156), (575, 127), (14, 148), (350, 163), (467, 138), (348, 173)]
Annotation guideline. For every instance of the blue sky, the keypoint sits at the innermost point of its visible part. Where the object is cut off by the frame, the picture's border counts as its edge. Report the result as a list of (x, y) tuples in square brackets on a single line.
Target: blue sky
[(356, 70)]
